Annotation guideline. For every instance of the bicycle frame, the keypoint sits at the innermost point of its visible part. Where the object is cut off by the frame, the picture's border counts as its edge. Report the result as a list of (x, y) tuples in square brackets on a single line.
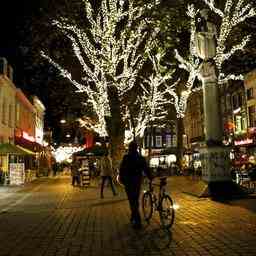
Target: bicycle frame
[(157, 198), (161, 201)]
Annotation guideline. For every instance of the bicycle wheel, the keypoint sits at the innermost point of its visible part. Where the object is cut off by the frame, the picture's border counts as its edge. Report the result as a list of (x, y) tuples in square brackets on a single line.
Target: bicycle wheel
[(166, 212), (147, 205)]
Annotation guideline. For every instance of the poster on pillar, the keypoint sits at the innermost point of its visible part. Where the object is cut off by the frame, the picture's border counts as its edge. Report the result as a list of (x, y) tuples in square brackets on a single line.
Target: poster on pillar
[(215, 164)]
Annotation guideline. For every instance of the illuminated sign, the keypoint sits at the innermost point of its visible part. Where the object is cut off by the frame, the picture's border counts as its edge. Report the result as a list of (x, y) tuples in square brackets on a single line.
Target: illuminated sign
[(28, 137), (39, 135), (243, 142)]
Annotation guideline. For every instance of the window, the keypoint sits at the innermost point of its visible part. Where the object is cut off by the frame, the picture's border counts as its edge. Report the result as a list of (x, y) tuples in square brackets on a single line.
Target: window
[(10, 116), (235, 101), (17, 114), (148, 141), (240, 99), (4, 112), (223, 107), (228, 103), (152, 141), (174, 140), (168, 140), (238, 122), (252, 116), (249, 93), (158, 141)]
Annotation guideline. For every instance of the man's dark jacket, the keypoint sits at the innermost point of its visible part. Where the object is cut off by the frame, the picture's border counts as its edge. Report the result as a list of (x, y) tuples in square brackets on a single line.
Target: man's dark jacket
[(133, 167)]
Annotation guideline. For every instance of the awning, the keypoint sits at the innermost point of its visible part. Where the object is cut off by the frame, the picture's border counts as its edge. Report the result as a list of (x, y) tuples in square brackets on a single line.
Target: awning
[(7, 148), (31, 146), (26, 151)]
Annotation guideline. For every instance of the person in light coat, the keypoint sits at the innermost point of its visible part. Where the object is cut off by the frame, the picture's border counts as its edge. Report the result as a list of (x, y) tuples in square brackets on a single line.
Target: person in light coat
[(106, 172)]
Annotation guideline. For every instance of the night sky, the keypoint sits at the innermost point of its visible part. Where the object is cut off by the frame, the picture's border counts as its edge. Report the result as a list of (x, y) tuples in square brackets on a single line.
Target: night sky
[(36, 79), (29, 75)]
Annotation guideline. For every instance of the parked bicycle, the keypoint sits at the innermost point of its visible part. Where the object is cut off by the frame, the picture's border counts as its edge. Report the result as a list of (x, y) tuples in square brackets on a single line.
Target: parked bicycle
[(161, 202)]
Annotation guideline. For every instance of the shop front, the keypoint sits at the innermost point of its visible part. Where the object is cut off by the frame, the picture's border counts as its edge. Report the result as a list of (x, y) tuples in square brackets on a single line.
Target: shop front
[(34, 158), (12, 164), (244, 151)]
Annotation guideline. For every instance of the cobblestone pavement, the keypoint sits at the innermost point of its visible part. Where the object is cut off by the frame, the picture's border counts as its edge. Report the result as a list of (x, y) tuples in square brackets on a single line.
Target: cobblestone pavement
[(50, 217)]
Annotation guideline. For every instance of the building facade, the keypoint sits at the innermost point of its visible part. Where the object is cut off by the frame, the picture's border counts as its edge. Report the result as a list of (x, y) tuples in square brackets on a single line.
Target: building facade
[(18, 130), (161, 144), (7, 111), (238, 116)]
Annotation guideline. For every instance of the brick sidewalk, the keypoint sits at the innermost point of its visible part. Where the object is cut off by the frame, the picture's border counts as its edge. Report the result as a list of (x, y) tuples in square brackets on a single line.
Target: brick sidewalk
[(61, 220)]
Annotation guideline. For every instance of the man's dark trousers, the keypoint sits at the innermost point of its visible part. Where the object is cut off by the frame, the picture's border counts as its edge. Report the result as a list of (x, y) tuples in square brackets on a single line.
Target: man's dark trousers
[(132, 188)]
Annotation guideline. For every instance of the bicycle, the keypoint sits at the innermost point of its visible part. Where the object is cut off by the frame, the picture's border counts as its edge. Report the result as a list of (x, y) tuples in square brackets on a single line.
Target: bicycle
[(162, 203)]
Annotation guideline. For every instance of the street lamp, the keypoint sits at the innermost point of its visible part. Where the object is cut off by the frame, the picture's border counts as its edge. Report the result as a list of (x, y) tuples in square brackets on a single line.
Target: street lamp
[(63, 121)]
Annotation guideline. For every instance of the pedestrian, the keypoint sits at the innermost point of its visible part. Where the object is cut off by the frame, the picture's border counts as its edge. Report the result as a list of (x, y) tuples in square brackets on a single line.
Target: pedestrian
[(106, 172), (131, 172), (75, 173)]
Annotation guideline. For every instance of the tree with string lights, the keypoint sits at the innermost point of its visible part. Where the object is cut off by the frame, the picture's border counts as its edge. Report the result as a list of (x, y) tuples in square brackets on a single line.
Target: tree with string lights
[(109, 48), (234, 13), (152, 104)]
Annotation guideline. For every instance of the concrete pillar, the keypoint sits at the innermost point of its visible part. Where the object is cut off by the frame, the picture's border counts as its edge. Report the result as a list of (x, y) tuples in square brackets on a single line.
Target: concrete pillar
[(214, 157)]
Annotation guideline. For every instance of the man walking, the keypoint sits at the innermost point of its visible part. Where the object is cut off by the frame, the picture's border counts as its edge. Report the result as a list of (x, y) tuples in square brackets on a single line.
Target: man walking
[(131, 173)]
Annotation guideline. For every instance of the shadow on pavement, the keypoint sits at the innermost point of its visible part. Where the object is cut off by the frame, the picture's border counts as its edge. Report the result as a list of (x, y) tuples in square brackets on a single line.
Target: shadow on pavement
[(248, 202), (147, 240), (109, 201)]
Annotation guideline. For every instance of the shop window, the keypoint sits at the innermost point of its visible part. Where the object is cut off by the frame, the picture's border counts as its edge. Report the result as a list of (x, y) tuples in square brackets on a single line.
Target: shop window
[(238, 122), (244, 123), (158, 141)]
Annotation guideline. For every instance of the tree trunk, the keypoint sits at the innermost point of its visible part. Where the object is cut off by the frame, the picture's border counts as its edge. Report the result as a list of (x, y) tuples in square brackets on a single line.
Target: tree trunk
[(115, 128), (180, 148)]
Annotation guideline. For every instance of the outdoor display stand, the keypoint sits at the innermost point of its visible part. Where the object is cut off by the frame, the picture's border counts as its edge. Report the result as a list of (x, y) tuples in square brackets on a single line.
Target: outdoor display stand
[(85, 177)]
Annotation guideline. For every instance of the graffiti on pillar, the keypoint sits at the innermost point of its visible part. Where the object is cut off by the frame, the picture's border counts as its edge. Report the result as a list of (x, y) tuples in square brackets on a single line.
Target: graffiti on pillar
[(215, 164)]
